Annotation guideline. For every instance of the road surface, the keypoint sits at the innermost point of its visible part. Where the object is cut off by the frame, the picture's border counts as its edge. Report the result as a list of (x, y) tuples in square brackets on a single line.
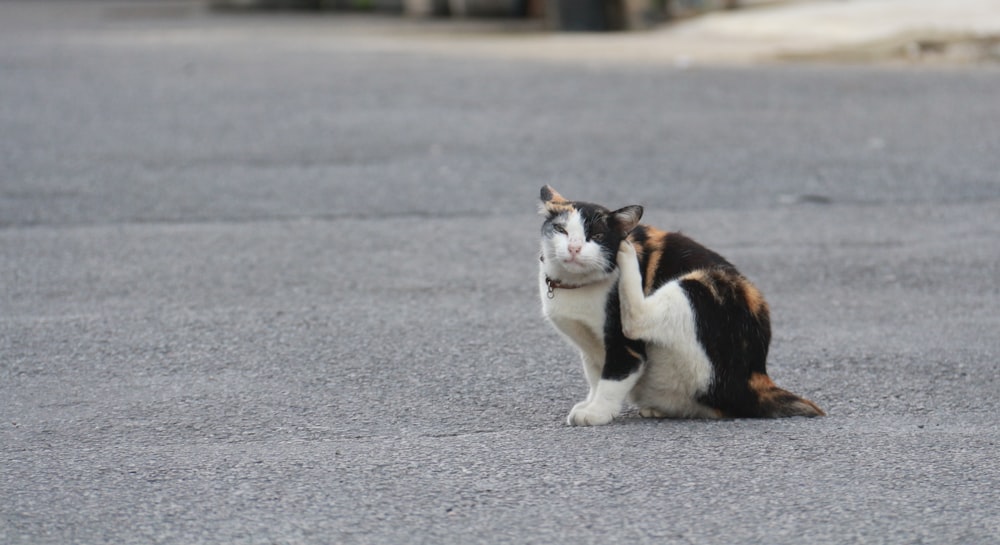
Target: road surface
[(262, 284)]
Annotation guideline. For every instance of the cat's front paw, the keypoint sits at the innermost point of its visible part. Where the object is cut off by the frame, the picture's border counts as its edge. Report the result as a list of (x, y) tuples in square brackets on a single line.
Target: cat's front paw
[(589, 413)]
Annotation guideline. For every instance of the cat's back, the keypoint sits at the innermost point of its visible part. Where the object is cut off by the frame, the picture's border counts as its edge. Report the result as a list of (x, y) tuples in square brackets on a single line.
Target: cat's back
[(665, 256)]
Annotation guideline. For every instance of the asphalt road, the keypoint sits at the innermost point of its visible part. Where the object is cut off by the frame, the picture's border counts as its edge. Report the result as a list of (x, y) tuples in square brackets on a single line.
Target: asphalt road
[(263, 285)]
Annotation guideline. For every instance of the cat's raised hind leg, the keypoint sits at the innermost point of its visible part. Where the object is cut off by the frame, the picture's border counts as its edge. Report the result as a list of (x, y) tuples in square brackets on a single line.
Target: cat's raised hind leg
[(656, 318), (634, 311)]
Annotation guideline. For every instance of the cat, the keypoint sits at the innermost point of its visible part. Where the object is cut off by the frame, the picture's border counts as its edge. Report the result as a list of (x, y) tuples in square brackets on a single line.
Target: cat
[(659, 319)]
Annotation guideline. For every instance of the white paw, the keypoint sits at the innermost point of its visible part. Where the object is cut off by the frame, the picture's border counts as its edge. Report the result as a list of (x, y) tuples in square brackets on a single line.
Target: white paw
[(589, 413), (626, 252), (649, 412)]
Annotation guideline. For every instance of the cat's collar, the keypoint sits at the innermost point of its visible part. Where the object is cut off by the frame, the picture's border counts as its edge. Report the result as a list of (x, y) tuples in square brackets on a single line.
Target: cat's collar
[(555, 284)]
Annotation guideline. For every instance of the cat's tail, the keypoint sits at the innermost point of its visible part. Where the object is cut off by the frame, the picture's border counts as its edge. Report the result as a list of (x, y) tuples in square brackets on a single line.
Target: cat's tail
[(774, 402)]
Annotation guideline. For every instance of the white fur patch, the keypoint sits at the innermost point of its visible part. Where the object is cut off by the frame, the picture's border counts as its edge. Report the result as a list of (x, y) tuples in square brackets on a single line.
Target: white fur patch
[(604, 404), (578, 314), (677, 368)]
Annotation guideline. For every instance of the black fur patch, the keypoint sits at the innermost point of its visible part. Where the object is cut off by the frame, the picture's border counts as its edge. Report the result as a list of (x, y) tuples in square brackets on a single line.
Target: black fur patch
[(623, 356), (734, 339), (680, 255)]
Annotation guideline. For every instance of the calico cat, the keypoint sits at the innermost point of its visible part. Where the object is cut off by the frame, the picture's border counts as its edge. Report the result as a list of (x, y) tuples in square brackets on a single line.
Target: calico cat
[(659, 319)]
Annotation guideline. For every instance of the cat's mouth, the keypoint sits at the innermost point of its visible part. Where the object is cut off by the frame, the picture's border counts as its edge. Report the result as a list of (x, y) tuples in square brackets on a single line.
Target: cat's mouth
[(575, 262)]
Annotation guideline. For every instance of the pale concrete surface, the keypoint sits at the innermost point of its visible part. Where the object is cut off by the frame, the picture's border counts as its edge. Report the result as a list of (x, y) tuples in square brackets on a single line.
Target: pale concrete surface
[(856, 30), (768, 32), (811, 27)]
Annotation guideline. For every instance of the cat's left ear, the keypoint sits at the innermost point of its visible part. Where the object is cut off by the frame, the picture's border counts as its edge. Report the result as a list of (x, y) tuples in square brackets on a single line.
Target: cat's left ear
[(625, 219), (552, 202)]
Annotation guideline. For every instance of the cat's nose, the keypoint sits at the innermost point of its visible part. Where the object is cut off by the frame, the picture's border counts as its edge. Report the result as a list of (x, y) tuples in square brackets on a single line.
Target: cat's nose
[(575, 248)]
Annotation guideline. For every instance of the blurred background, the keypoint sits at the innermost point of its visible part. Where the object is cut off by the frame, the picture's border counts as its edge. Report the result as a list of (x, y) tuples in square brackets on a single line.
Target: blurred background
[(592, 15), (964, 30)]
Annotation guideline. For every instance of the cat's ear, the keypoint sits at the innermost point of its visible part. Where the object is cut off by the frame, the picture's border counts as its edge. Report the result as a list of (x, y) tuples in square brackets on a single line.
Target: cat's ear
[(625, 219), (552, 201)]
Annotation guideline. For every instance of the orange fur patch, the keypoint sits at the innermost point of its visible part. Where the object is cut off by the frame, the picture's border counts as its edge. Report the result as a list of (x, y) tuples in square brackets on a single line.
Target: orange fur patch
[(558, 207), (555, 203), (707, 279), (556, 197), (654, 246), (790, 404), (755, 300), (759, 382), (651, 266)]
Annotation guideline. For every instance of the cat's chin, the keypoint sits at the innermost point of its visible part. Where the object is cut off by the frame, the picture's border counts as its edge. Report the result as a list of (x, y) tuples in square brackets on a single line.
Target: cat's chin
[(576, 267)]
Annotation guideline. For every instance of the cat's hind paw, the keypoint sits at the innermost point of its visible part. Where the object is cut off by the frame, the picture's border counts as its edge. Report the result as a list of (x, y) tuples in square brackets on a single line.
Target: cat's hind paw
[(590, 414), (649, 412), (626, 252)]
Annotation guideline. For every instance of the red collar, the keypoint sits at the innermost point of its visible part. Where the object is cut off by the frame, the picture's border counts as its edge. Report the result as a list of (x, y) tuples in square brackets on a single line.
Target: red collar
[(555, 284)]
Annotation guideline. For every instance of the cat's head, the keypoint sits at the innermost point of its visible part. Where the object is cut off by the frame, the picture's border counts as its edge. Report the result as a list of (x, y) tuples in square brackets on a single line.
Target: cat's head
[(580, 240)]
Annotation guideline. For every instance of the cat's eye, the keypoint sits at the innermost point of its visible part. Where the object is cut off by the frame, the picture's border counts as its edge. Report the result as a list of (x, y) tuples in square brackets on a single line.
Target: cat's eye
[(559, 228), (597, 237)]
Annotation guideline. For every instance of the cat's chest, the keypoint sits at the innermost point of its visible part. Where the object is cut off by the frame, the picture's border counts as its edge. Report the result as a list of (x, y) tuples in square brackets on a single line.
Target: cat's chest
[(580, 312)]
